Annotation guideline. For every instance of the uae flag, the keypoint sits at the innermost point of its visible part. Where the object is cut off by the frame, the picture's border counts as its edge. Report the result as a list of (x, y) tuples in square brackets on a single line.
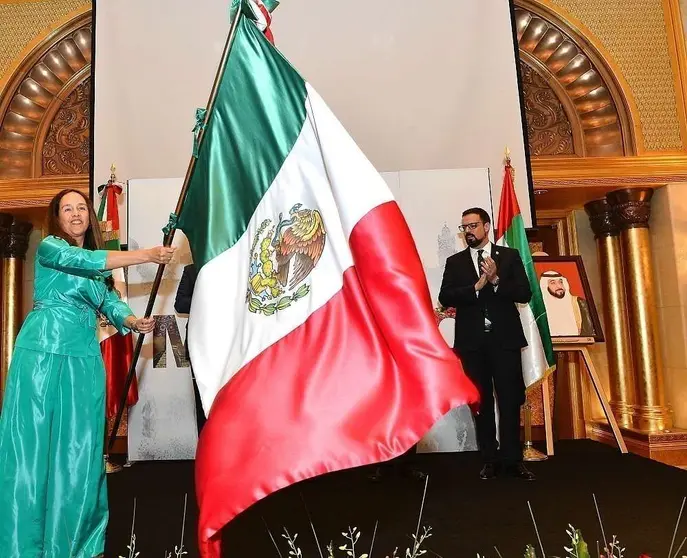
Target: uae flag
[(311, 332), (538, 359), (117, 349)]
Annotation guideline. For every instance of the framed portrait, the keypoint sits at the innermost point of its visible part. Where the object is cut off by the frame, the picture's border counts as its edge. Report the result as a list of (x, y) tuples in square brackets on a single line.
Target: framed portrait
[(568, 299)]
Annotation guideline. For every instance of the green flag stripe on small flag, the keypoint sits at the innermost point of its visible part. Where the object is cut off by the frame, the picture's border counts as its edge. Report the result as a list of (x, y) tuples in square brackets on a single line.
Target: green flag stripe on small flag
[(538, 358), (516, 237)]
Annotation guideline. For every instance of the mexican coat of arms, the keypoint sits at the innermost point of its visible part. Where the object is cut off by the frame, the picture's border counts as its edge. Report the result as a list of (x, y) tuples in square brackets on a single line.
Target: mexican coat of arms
[(283, 255)]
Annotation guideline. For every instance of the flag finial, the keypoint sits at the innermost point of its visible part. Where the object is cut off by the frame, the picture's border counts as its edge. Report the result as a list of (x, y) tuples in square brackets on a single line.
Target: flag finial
[(507, 155), (113, 176)]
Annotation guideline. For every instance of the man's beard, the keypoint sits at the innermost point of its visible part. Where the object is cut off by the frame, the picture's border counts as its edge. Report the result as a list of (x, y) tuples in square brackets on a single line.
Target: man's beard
[(558, 294), (472, 241)]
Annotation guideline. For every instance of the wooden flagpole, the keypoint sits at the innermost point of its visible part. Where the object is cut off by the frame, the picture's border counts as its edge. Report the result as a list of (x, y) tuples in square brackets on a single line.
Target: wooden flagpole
[(171, 229)]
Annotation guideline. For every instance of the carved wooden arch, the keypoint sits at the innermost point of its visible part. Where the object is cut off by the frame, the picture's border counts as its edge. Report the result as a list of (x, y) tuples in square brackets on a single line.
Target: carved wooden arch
[(50, 82), (597, 108)]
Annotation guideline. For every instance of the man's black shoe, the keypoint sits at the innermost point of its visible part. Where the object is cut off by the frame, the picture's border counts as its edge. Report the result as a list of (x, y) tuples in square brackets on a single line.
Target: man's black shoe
[(488, 471), (519, 471)]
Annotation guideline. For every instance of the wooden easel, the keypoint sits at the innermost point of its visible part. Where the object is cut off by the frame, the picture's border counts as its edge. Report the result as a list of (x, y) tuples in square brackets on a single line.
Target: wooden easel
[(531, 454), (548, 419), (580, 345)]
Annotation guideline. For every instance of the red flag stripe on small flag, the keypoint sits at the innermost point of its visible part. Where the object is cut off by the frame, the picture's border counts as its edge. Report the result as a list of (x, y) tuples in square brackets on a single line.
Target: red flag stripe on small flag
[(263, 18), (118, 351), (509, 206)]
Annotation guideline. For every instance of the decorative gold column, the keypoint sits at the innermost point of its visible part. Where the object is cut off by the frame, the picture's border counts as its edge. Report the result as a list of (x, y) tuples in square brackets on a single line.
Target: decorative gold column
[(632, 209), (13, 254), (618, 346)]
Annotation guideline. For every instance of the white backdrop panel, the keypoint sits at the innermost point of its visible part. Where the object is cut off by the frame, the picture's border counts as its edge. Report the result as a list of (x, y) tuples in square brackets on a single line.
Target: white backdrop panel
[(413, 91), (162, 425)]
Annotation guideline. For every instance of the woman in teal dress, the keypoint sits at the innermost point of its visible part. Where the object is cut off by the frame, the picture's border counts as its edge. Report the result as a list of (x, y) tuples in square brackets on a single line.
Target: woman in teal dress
[(53, 493)]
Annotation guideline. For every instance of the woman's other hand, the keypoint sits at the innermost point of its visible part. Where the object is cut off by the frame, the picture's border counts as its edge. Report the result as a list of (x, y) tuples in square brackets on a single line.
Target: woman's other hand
[(143, 325)]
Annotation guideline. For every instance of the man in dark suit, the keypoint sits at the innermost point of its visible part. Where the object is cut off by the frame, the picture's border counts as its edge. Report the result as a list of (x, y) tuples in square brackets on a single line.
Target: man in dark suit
[(483, 283), (182, 304)]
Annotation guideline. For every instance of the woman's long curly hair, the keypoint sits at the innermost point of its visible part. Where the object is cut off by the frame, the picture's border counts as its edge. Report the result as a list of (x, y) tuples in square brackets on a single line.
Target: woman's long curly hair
[(93, 239)]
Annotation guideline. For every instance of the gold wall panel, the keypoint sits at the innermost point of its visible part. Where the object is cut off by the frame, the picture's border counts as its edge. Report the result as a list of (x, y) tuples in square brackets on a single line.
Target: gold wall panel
[(598, 105), (66, 148), (21, 22), (634, 33), (570, 182), (39, 96), (549, 130), (32, 193)]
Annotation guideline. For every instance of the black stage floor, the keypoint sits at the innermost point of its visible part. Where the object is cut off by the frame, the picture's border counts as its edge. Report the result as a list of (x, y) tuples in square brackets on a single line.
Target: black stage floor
[(639, 501)]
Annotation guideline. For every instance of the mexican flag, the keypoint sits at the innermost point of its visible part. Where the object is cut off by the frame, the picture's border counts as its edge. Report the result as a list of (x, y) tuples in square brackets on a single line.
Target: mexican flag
[(117, 350), (538, 359), (311, 331)]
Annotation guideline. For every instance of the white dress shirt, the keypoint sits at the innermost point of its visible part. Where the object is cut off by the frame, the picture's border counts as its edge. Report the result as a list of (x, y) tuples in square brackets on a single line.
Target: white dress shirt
[(486, 253)]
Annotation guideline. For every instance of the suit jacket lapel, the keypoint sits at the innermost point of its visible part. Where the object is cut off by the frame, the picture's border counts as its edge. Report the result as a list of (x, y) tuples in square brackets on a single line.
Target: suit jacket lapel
[(496, 254)]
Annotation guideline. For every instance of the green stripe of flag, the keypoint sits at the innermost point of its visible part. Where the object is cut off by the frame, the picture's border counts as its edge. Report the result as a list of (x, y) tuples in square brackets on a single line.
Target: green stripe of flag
[(516, 237), (256, 119)]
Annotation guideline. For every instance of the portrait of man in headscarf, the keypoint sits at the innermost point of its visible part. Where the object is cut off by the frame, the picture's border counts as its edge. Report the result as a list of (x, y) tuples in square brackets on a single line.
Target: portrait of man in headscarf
[(568, 315)]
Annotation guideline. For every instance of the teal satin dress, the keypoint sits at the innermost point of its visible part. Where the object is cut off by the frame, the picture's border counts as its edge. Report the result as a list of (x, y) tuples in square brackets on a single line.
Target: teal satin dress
[(53, 492)]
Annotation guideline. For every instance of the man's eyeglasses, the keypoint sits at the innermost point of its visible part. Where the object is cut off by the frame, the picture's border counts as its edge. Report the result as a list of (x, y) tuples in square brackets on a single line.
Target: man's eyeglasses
[(469, 226)]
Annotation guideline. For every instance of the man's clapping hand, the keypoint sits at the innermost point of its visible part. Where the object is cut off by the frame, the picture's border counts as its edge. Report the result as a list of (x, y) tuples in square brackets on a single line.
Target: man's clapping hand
[(481, 283), (489, 270)]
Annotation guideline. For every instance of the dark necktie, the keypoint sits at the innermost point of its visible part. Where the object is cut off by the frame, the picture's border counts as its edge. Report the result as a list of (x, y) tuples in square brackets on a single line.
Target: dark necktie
[(480, 261)]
